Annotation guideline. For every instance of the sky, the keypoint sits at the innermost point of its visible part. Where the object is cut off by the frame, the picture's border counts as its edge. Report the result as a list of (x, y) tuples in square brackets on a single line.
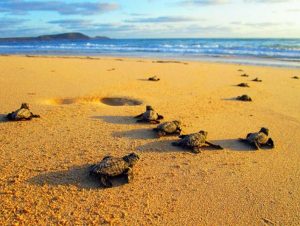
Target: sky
[(152, 18)]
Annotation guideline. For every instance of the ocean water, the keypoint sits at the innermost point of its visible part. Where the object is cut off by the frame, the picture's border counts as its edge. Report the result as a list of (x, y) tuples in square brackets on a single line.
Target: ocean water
[(274, 52)]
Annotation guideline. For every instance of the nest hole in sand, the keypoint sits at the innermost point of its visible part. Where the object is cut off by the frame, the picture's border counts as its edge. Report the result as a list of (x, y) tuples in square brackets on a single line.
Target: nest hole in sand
[(120, 101), (111, 101)]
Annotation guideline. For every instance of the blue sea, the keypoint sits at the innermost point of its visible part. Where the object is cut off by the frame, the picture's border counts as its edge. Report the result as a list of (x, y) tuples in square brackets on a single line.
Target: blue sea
[(272, 52)]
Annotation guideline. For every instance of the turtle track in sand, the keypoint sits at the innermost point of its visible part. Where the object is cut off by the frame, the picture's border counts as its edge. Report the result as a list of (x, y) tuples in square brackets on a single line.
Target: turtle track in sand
[(111, 101)]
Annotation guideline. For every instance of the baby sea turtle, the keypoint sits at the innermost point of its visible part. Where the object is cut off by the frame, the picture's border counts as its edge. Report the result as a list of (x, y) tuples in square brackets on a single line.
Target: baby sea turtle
[(168, 128), (111, 167), (23, 113), (150, 116), (295, 77), (257, 80), (244, 98), (259, 139), (245, 75), (154, 78), (195, 141), (243, 84)]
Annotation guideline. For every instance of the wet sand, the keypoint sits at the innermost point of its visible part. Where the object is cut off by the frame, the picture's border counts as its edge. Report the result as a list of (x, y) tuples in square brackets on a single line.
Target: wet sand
[(44, 162)]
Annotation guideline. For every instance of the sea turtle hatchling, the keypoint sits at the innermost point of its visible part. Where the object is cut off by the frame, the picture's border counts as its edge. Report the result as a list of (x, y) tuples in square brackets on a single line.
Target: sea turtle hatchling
[(244, 75), (244, 98), (154, 79), (23, 113), (195, 141), (257, 80), (168, 128), (243, 84), (111, 167), (150, 116), (259, 139), (295, 77)]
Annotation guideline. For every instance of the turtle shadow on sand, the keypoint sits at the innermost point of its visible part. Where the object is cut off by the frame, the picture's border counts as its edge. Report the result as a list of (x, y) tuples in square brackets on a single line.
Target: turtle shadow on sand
[(233, 145), (142, 134), (116, 119), (166, 146), (163, 146), (233, 99), (78, 176), (3, 118), (230, 99), (143, 79), (160, 146)]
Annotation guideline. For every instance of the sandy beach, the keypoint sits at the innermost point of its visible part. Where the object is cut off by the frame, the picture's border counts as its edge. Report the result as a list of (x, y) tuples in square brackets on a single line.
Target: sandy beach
[(44, 162)]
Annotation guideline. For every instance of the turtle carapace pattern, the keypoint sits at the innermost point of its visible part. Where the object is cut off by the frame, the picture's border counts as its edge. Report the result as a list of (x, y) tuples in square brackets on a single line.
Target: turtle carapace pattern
[(168, 128), (111, 167), (23, 113), (195, 141), (149, 116)]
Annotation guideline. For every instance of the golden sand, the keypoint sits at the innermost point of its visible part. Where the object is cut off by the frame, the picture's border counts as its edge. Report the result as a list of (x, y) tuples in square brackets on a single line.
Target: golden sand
[(44, 162)]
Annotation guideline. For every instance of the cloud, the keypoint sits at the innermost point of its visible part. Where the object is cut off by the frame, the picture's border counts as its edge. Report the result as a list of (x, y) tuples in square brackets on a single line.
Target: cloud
[(11, 22), (162, 19), (75, 8), (204, 2)]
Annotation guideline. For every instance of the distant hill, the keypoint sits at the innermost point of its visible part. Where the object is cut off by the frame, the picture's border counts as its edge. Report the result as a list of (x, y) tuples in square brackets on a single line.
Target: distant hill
[(64, 36)]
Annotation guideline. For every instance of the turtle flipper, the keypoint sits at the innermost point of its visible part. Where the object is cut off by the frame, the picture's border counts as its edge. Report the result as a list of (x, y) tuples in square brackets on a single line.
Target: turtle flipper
[(154, 122), (270, 143), (159, 117), (161, 133), (129, 175), (35, 116), (140, 120), (196, 150), (105, 181), (214, 145), (256, 145)]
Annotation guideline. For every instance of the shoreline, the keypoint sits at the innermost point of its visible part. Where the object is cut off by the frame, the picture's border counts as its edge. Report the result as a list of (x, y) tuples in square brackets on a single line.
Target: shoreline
[(273, 63)]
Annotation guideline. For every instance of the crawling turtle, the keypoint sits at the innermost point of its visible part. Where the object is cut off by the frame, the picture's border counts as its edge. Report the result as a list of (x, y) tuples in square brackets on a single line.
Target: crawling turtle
[(240, 70), (195, 141), (244, 98), (168, 128), (257, 80), (111, 167), (243, 84), (295, 77), (259, 139), (245, 75), (23, 113), (154, 78), (150, 116)]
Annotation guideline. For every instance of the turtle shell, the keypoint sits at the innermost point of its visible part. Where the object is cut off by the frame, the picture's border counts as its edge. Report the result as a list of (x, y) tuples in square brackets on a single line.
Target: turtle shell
[(150, 115), (194, 140), (168, 127), (261, 138), (110, 166), (21, 114)]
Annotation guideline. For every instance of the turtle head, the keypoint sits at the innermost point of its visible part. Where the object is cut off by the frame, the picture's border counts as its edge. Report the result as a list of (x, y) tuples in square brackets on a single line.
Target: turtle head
[(149, 108), (132, 158), (204, 133), (25, 105), (264, 130)]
